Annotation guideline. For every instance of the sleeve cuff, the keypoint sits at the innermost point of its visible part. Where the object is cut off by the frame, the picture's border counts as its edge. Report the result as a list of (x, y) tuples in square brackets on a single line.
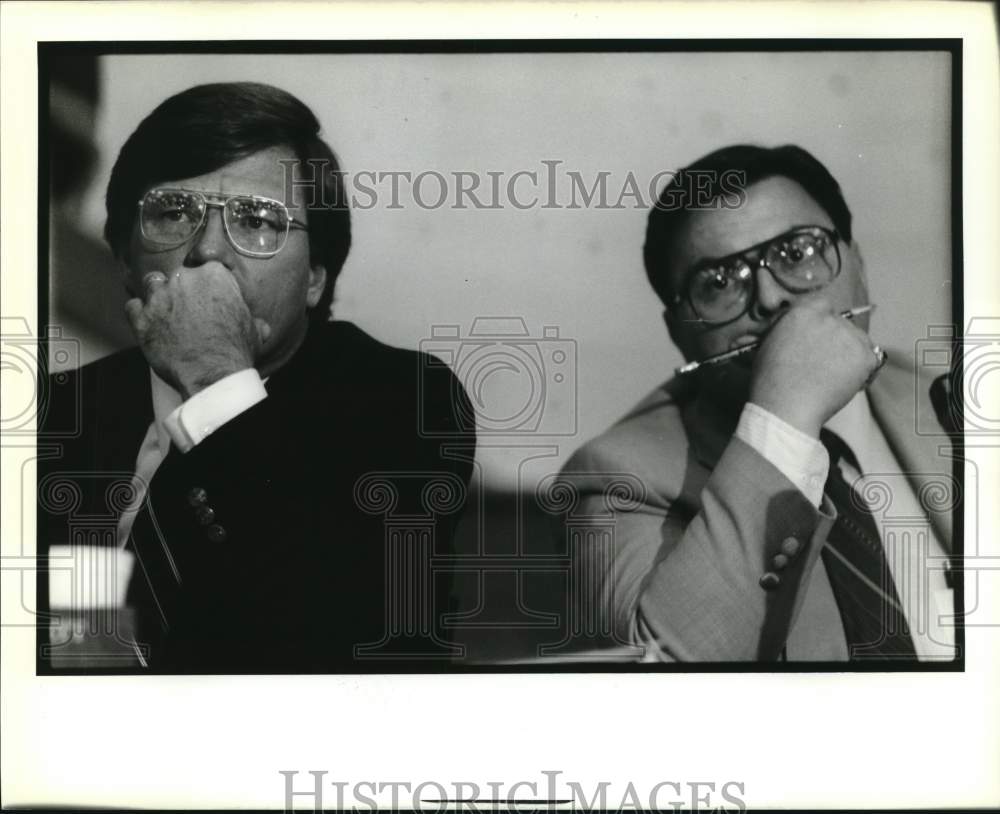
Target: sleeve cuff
[(217, 404), (799, 457)]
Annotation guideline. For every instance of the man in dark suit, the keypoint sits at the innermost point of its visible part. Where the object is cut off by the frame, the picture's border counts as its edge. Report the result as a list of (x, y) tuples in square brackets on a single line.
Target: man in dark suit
[(760, 527), (261, 445)]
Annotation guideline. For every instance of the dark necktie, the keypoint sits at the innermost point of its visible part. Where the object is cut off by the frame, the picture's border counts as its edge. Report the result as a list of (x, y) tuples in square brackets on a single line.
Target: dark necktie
[(873, 618)]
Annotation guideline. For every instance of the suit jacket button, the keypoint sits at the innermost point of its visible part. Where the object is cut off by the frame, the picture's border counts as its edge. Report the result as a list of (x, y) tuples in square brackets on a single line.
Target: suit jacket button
[(779, 561), (205, 515), (790, 546), (770, 581), (216, 533), (197, 497)]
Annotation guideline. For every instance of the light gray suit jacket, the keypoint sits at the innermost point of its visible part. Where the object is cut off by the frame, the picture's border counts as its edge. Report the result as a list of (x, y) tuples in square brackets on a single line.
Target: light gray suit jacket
[(687, 556)]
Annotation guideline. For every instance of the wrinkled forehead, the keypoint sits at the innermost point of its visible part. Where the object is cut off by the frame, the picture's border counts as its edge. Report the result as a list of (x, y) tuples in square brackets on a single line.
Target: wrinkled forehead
[(272, 173)]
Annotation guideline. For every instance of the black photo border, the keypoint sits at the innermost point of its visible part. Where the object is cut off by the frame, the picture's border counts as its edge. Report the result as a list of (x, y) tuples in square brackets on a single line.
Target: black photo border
[(952, 46)]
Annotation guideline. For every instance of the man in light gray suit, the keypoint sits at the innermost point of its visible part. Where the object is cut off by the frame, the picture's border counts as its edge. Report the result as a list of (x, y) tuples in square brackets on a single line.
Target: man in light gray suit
[(763, 529)]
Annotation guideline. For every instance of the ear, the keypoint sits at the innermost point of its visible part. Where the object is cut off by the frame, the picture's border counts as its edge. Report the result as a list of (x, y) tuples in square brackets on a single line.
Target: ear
[(317, 282), (125, 275), (680, 333), (669, 322)]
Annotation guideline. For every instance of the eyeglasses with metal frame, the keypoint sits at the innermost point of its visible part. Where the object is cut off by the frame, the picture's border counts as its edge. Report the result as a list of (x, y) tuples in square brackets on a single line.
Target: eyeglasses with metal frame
[(255, 226)]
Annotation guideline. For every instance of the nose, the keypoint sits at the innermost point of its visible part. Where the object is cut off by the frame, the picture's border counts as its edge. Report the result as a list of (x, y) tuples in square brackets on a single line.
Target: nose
[(771, 296), (210, 243)]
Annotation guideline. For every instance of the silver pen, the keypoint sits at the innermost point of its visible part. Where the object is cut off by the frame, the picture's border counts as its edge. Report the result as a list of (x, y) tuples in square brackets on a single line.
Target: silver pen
[(691, 367)]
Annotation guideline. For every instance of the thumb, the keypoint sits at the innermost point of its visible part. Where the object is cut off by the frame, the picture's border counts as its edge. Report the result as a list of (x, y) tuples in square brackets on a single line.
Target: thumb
[(263, 330), (133, 311)]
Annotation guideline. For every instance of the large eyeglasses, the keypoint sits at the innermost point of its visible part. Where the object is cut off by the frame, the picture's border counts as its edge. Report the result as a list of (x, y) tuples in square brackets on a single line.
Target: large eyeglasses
[(802, 259), (255, 226)]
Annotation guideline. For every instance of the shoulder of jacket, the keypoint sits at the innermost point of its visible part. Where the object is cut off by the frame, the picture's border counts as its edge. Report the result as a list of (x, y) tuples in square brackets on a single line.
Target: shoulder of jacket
[(649, 442), (357, 347)]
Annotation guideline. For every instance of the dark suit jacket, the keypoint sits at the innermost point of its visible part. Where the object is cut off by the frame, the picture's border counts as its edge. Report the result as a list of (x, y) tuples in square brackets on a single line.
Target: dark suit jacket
[(264, 547), (706, 515)]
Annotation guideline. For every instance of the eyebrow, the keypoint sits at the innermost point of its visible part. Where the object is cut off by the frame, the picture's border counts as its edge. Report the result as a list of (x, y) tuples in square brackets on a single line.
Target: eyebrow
[(220, 194), (705, 262)]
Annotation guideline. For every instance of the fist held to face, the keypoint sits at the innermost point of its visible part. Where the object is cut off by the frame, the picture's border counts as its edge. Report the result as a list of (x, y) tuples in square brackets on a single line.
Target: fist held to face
[(194, 327), (810, 364)]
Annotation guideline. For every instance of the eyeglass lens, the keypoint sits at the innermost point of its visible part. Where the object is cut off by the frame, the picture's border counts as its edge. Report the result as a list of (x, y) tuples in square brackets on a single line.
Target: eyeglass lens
[(171, 217), (800, 261)]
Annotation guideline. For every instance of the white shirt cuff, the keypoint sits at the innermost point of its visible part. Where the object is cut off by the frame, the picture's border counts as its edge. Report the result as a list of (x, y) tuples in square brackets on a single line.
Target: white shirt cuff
[(799, 457), (217, 404)]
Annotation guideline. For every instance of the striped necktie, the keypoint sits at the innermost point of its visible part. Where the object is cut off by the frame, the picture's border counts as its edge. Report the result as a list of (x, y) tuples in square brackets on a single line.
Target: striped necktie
[(150, 456), (874, 622)]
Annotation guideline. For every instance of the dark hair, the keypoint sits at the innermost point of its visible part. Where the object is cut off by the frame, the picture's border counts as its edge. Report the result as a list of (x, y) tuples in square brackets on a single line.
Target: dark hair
[(207, 127), (752, 164)]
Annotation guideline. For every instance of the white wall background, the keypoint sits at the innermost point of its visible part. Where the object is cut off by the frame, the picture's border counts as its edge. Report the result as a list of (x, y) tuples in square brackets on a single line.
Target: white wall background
[(879, 121)]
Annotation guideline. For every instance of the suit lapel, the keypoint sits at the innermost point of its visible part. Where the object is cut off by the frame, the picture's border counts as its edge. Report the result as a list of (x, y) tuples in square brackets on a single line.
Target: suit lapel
[(709, 430), (900, 405), (123, 409)]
